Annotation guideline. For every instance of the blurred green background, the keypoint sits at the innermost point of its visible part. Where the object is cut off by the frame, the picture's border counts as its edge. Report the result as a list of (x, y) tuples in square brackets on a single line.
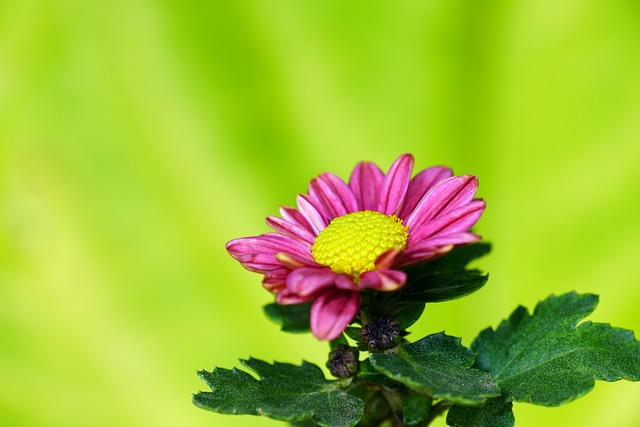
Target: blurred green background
[(138, 136)]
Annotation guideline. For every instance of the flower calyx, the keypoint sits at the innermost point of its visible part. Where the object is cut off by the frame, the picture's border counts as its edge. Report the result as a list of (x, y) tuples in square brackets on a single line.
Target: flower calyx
[(343, 361), (380, 334)]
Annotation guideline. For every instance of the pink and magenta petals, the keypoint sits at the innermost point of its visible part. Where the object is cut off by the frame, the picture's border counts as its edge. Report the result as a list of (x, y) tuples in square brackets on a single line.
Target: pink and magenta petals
[(258, 253), (270, 243), (292, 215), (448, 194), (454, 221), (395, 185), (307, 281), (436, 246), (292, 261), (438, 240), (420, 184), (287, 298), (383, 280), (290, 229), (335, 200), (276, 280), (341, 195), (388, 258), (268, 260), (366, 182), (312, 214), (345, 281), (332, 312), (423, 252), (314, 199)]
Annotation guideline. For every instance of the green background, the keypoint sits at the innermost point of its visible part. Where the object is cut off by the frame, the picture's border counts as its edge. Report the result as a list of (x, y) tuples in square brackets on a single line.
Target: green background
[(138, 136)]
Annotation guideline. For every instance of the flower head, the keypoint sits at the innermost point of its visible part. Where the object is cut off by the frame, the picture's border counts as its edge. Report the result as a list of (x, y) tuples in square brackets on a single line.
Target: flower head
[(345, 238)]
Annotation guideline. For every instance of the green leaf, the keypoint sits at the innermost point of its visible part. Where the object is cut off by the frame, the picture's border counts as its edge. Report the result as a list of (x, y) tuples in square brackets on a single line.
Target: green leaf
[(291, 318), (441, 287), (456, 260), (416, 408), (283, 392), (546, 359), (496, 412), (437, 280), (368, 374), (353, 332), (403, 313), (439, 366)]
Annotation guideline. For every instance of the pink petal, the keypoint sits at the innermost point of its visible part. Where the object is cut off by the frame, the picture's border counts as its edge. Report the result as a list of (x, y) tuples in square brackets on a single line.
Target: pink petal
[(324, 190), (366, 182), (449, 239), (286, 298), (312, 214), (456, 220), (292, 262), (395, 185), (448, 194), (338, 193), (290, 229), (436, 246), (421, 253), (388, 258), (292, 215), (315, 199), (332, 311), (420, 184), (307, 281), (383, 280), (270, 243), (345, 281), (259, 261), (276, 280)]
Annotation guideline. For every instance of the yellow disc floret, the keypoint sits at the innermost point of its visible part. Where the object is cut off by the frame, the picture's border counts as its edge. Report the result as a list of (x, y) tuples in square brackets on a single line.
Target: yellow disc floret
[(351, 243)]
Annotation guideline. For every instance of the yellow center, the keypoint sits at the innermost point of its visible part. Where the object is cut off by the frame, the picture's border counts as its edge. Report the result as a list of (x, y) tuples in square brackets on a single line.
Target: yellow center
[(351, 243)]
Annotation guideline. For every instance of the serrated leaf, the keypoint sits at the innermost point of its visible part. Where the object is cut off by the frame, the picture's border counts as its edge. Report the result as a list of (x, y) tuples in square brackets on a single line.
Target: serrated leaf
[(292, 318), (439, 366), (496, 412), (283, 392), (546, 359)]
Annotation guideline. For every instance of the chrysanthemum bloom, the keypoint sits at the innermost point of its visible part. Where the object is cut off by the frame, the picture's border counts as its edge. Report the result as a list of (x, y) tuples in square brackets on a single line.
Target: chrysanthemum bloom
[(345, 238)]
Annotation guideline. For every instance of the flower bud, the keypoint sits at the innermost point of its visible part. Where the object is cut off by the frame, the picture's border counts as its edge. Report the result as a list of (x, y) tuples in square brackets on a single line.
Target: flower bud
[(380, 334), (343, 361)]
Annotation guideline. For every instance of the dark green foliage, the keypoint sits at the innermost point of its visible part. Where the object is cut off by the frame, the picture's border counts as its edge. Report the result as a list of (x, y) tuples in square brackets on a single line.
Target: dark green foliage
[(284, 392), (444, 286), (416, 408), (370, 375), (546, 359), (438, 280), (446, 278), (291, 318), (438, 366), (404, 313), (496, 412)]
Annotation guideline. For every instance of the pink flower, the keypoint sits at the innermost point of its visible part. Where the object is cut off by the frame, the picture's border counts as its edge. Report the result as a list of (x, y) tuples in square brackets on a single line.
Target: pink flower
[(345, 238)]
